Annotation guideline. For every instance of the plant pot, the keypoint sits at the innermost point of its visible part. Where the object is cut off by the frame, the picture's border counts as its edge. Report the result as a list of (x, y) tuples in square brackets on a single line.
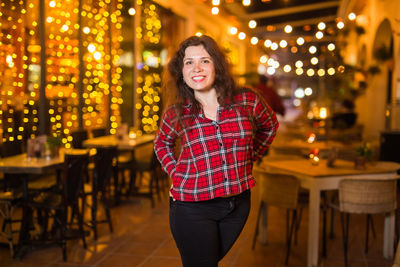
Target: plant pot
[(55, 151), (360, 163)]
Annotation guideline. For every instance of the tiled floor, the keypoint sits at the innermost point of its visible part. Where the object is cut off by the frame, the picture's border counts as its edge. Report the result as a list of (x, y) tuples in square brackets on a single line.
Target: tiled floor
[(142, 238)]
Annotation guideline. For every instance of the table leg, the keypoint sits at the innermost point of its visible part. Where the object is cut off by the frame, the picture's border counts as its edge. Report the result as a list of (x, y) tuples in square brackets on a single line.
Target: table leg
[(388, 236), (263, 226), (313, 227), (26, 220)]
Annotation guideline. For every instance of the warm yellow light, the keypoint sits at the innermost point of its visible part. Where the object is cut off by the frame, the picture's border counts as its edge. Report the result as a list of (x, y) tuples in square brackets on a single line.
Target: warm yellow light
[(283, 43), (132, 11), (233, 30), (321, 72), (312, 49), (331, 47), (252, 24), (314, 60), (267, 43), (288, 29), (310, 72), (52, 4), (215, 10), (287, 68), (321, 26), (263, 59), (254, 40), (299, 64), (246, 2), (300, 41), (242, 36), (97, 55), (216, 2), (352, 16), (340, 25), (308, 91), (198, 34), (91, 48), (319, 35), (323, 113), (274, 46), (299, 71), (331, 71)]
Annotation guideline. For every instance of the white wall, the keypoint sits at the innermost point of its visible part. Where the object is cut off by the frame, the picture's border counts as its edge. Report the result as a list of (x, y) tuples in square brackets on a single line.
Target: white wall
[(371, 106)]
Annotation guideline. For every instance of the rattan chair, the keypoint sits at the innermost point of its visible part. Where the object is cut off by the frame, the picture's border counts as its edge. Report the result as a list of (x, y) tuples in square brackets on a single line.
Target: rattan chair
[(281, 191), (396, 262), (364, 197)]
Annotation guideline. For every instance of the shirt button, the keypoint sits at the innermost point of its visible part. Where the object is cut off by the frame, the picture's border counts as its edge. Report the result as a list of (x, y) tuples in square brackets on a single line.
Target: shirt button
[(223, 162), (220, 143)]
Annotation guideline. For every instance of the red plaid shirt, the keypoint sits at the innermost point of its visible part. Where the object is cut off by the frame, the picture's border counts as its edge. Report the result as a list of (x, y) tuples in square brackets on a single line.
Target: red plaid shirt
[(216, 157)]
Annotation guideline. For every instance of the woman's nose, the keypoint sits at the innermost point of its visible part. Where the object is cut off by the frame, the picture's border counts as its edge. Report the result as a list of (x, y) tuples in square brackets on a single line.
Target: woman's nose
[(197, 66)]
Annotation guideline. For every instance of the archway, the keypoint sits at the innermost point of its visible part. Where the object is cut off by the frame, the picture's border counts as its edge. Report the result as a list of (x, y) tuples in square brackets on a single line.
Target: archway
[(383, 53)]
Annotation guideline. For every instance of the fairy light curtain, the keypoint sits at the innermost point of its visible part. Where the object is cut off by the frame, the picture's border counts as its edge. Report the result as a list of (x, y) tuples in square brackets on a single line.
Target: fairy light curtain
[(20, 66)]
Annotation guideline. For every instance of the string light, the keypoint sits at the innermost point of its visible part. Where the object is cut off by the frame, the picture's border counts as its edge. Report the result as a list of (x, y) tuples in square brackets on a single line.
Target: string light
[(246, 2), (233, 30), (288, 29), (254, 40), (252, 24)]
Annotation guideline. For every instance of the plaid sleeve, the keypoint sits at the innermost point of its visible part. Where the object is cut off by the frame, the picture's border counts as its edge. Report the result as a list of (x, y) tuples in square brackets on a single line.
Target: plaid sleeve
[(164, 143), (266, 127)]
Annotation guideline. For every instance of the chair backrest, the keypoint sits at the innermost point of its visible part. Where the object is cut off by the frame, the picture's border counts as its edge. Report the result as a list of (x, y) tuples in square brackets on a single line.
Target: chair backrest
[(99, 132), (78, 137), (75, 167), (10, 148), (277, 189), (367, 196), (103, 167)]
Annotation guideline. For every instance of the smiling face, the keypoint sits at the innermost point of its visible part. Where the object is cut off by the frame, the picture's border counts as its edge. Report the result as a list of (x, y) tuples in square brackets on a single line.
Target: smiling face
[(198, 68)]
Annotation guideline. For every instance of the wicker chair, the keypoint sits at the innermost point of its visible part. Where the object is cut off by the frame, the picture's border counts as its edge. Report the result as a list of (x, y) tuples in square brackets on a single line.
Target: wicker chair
[(281, 191), (396, 262), (364, 197)]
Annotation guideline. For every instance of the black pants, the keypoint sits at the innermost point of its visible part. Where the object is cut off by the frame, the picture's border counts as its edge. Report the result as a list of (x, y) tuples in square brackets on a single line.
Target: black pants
[(205, 231)]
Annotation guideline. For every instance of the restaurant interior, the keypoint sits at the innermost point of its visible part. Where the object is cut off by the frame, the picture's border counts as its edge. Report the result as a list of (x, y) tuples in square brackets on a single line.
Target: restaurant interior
[(81, 98)]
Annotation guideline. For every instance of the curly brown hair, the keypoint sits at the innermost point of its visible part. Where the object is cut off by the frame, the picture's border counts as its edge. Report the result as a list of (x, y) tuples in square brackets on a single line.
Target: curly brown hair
[(224, 83)]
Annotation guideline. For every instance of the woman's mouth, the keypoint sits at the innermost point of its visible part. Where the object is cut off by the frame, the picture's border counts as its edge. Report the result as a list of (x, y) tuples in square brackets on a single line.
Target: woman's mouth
[(198, 78)]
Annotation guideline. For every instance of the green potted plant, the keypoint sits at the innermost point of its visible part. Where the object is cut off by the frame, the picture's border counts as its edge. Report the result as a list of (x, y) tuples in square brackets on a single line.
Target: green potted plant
[(363, 154), (54, 143)]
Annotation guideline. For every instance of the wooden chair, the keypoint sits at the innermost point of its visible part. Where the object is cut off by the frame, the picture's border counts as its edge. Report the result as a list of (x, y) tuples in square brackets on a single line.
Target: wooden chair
[(364, 197), (8, 201), (99, 132), (62, 204), (281, 191), (105, 161), (157, 178), (78, 137)]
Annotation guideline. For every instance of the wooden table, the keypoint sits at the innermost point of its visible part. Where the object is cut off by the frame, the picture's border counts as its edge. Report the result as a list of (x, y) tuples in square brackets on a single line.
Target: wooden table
[(302, 147), (122, 144), (319, 178), (25, 166)]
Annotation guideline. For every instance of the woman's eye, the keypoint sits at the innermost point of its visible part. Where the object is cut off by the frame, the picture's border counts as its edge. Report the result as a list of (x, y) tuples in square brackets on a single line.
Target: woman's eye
[(188, 62), (206, 61)]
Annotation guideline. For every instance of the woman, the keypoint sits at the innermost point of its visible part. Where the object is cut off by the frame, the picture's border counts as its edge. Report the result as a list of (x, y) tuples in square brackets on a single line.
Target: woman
[(221, 131)]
